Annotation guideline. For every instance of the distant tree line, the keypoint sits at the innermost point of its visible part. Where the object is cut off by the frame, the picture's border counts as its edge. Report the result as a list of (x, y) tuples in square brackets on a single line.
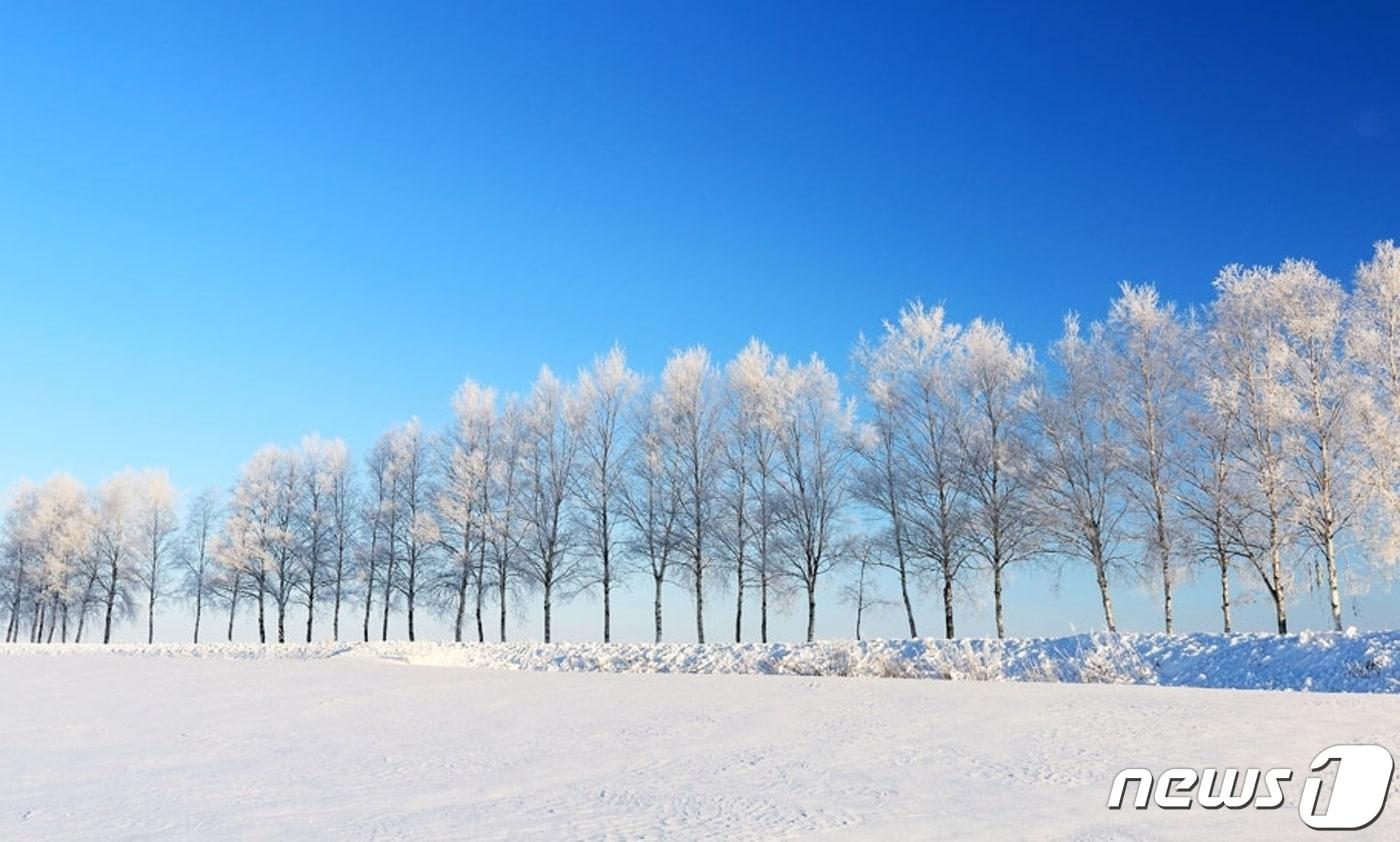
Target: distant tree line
[(1256, 439)]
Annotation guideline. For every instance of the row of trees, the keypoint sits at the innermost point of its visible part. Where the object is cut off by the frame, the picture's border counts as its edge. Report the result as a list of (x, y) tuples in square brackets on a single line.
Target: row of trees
[(1249, 437)]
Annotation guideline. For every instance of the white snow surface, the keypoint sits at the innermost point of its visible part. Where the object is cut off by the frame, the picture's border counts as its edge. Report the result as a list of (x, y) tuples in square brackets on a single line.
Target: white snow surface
[(1318, 661), (327, 742)]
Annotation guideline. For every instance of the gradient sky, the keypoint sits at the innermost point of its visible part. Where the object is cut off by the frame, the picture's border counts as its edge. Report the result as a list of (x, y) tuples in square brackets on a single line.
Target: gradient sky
[(226, 224)]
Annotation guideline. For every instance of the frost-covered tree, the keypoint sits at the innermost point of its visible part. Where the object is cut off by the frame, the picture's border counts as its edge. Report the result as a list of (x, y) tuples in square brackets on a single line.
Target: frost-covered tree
[(1146, 341), (258, 532), (196, 552), (862, 592), (157, 525), (464, 501), (1081, 462), (1213, 493), (338, 475), (754, 422), (19, 552), (379, 517), (909, 457), (311, 525), (604, 396), (995, 379), (54, 530), (650, 501), (1324, 394), (813, 460), (413, 531), (116, 544), (691, 403), (1373, 344), (1246, 338), (508, 500), (552, 563)]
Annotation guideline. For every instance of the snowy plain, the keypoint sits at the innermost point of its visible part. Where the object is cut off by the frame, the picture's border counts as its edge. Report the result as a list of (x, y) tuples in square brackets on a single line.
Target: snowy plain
[(362, 742)]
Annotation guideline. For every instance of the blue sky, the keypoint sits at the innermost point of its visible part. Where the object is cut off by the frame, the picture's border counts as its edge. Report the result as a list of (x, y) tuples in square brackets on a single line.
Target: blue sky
[(224, 224)]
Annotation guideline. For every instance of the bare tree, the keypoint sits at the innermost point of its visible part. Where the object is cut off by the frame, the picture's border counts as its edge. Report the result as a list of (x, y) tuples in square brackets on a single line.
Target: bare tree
[(1081, 463), (320, 462), (552, 457), (690, 406), (605, 394), (1326, 400), (463, 502), (650, 502), (862, 593), (814, 455), (754, 423), (196, 555), (378, 513), (338, 471), (994, 382), (118, 511), (1245, 336), (508, 499), (1146, 340)]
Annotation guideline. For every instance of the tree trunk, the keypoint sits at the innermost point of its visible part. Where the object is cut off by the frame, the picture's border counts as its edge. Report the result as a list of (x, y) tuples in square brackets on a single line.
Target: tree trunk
[(607, 598), (111, 603), (339, 585), (657, 607), (388, 592), (310, 603), (1102, 575), (461, 604), (763, 607), (811, 609), (151, 613), (699, 600), (1225, 589), (546, 613), (1166, 578), (947, 602), (996, 600), (1334, 592), (198, 609), (233, 603)]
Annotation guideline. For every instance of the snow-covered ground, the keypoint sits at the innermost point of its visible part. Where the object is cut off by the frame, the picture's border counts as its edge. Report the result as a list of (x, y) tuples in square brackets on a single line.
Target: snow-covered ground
[(365, 744), (1319, 661)]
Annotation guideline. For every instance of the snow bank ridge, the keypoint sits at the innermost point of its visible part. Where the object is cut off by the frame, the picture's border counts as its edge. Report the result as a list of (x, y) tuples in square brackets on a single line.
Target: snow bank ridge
[(1328, 661)]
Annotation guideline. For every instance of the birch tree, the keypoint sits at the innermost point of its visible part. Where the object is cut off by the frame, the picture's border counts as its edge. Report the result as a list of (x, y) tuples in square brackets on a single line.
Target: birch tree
[(814, 455), (751, 453), (1081, 464), (553, 421), (1323, 393), (1146, 341), (157, 525), (118, 508), (1373, 344), (651, 504), (1245, 336), (197, 551), (691, 403), (463, 502), (604, 396), (994, 381), (19, 551)]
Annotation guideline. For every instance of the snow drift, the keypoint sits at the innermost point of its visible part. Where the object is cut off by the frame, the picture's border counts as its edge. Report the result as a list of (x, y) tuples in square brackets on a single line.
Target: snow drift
[(1327, 661)]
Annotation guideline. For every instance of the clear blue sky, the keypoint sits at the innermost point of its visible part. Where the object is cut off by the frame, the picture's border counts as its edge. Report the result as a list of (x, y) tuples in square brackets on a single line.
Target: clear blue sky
[(225, 224)]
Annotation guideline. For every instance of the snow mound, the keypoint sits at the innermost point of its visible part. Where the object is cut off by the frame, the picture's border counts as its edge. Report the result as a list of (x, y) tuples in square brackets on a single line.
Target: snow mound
[(1318, 661)]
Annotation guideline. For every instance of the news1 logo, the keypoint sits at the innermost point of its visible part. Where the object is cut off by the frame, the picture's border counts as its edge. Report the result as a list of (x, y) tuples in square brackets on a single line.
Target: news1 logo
[(1358, 796)]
